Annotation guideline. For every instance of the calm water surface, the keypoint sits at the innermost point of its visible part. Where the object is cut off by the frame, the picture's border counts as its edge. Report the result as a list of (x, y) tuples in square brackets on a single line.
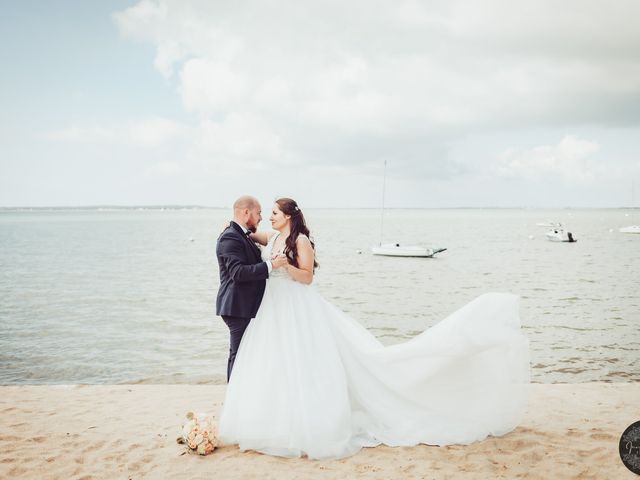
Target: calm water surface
[(91, 296)]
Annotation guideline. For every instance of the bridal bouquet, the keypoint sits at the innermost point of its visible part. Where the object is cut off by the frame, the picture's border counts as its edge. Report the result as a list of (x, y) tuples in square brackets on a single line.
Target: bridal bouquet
[(200, 433)]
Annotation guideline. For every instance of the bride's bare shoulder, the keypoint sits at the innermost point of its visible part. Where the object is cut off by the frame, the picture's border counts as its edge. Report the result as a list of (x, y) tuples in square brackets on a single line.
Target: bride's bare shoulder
[(302, 239)]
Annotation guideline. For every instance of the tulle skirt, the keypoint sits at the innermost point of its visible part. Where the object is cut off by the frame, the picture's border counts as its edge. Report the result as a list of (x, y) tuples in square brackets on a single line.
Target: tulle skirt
[(310, 380)]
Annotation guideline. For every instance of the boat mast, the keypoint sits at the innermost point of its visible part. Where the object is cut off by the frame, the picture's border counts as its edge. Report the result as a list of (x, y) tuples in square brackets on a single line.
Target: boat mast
[(384, 186)]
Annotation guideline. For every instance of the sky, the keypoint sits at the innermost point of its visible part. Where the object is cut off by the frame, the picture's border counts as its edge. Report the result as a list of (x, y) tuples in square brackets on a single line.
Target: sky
[(532, 103)]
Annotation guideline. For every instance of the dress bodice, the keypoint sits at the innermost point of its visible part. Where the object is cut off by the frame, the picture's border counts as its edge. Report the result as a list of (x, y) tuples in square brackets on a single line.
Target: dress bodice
[(268, 252)]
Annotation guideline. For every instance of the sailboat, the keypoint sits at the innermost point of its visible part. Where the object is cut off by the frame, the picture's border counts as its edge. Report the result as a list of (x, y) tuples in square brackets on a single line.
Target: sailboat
[(397, 249), (631, 228)]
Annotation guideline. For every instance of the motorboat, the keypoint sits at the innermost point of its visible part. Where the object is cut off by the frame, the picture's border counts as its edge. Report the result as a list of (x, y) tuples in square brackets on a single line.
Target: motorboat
[(399, 250), (630, 229), (559, 234)]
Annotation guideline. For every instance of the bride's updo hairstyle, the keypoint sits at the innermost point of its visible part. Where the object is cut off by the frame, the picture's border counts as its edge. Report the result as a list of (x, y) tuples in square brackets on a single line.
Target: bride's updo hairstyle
[(289, 207)]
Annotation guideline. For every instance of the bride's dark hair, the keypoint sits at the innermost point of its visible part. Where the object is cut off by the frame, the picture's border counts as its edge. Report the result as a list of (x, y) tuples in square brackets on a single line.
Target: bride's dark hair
[(289, 207)]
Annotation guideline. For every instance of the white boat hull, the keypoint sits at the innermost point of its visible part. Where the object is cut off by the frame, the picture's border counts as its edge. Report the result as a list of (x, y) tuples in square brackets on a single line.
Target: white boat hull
[(559, 235), (630, 229), (397, 250)]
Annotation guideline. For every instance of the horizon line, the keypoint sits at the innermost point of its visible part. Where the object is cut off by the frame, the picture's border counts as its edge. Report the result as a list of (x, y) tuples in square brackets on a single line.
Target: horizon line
[(208, 207)]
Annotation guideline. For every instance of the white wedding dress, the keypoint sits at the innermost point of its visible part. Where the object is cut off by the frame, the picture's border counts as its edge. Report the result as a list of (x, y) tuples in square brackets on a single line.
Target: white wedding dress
[(310, 380)]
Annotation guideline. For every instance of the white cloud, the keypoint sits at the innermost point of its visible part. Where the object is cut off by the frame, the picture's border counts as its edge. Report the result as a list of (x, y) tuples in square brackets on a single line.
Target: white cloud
[(571, 160), (303, 93), (142, 19), (239, 137), (407, 72), (211, 87)]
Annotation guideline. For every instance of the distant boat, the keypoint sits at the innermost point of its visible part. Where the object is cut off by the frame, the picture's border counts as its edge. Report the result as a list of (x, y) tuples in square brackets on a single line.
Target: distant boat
[(558, 234), (630, 229), (396, 249)]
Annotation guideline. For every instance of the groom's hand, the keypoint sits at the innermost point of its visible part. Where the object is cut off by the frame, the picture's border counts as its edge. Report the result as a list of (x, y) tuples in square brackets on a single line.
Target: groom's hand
[(226, 225), (279, 261)]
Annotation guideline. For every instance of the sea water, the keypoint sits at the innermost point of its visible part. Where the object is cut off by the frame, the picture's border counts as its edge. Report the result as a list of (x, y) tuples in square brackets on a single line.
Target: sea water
[(128, 294)]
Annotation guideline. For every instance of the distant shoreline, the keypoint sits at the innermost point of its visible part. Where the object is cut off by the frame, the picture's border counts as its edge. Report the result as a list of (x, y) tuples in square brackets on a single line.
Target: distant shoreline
[(104, 208)]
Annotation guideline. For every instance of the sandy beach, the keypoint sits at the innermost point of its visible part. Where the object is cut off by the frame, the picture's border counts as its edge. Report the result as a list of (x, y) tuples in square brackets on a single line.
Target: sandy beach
[(129, 431)]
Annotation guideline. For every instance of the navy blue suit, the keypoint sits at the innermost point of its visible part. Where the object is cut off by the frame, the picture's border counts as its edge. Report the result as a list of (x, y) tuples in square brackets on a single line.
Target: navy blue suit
[(242, 283)]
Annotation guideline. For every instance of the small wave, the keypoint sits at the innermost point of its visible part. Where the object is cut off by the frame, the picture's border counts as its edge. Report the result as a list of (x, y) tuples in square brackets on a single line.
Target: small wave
[(619, 374), (179, 378), (566, 327), (569, 370)]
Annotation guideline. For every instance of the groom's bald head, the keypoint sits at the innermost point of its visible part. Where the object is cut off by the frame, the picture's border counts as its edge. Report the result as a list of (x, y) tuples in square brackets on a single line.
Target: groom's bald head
[(247, 211), (246, 201)]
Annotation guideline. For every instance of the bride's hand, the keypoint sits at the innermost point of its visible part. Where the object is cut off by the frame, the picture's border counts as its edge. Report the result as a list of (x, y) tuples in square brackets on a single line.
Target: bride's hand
[(279, 261), (225, 226)]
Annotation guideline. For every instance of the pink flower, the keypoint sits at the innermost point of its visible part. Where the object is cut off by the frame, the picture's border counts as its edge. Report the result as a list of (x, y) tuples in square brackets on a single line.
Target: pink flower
[(201, 433)]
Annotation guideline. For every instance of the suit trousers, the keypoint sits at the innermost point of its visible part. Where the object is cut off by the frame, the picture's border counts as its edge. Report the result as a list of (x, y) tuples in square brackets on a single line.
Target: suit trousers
[(237, 326)]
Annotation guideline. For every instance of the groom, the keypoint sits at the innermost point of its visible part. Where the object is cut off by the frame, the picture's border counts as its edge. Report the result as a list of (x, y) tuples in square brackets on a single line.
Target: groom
[(242, 272)]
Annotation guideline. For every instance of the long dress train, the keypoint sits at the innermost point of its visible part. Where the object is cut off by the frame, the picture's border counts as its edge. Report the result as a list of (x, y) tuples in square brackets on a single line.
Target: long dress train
[(310, 380)]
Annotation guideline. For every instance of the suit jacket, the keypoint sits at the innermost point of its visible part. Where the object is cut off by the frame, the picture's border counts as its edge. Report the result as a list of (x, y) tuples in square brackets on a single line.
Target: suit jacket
[(242, 274)]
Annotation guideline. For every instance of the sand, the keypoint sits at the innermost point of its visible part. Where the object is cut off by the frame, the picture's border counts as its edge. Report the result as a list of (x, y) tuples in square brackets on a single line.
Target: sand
[(129, 431)]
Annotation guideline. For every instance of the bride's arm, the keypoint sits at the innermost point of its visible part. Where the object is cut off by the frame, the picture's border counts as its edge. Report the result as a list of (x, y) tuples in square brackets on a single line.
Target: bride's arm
[(304, 272), (261, 237)]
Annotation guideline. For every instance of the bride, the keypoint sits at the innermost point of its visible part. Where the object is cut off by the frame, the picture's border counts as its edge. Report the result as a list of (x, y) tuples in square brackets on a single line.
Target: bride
[(310, 380)]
